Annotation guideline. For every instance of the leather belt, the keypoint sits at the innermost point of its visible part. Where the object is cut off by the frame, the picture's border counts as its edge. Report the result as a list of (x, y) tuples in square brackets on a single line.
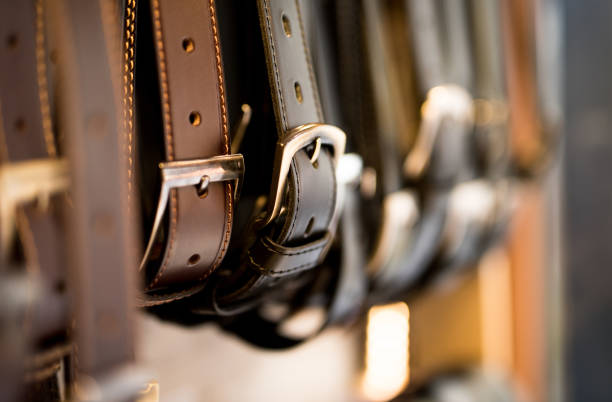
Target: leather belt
[(101, 233), (376, 82), (192, 222), (295, 231), (29, 141), (32, 179), (471, 230), (346, 264), (337, 289), (439, 156)]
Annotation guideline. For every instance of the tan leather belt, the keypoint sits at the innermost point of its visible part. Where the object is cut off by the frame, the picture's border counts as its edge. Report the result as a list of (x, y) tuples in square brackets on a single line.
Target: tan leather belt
[(192, 222)]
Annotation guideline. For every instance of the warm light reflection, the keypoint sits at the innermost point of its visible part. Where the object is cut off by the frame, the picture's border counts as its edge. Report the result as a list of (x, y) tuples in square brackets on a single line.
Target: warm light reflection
[(386, 359)]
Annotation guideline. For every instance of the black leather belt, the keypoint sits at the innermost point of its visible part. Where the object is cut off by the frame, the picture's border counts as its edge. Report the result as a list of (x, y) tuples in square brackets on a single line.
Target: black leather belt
[(294, 232), (469, 153), (377, 107)]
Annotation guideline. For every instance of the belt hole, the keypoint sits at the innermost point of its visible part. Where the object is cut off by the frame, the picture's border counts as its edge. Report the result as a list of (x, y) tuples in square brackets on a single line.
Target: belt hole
[(195, 119), (298, 92), (193, 260), (309, 227), (188, 45), (12, 41), (286, 25), (53, 56), (20, 125), (60, 286)]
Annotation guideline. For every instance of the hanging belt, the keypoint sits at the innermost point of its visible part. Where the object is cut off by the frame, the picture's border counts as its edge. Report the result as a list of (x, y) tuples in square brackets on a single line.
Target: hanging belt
[(440, 155), (32, 180), (294, 233), (479, 208), (376, 105), (290, 233), (338, 288), (192, 222), (101, 232)]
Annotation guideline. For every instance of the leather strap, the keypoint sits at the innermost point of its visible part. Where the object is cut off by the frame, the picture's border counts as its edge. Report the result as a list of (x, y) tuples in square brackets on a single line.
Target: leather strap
[(194, 119), (296, 103), (346, 294), (442, 58), (339, 287), (101, 233), (371, 44), (26, 137), (300, 238)]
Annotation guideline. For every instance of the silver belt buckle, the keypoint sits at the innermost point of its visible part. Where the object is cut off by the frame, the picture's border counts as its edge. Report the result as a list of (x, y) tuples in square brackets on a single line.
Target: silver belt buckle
[(443, 102), (198, 173), (27, 181), (297, 139)]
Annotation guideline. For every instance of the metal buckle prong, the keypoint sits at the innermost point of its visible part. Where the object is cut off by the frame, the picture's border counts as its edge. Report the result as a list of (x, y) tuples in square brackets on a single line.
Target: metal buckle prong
[(296, 139), (443, 102), (198, 173), (32, 180)]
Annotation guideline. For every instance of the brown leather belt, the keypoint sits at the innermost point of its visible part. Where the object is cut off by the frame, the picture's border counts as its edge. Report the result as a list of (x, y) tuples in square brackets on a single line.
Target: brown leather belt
[(31, 180), (199, 178), (27, 137), (102, 235)]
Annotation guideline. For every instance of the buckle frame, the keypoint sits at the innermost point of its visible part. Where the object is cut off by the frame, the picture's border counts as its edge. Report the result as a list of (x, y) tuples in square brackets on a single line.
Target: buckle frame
[(26, 181), (286, 148), (446, 101), (193, 172)]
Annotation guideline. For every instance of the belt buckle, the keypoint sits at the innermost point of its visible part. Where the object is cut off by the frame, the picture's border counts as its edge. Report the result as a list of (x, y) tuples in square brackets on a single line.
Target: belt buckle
[(27, 181), (295, 140), (198, 173), (447, 101)]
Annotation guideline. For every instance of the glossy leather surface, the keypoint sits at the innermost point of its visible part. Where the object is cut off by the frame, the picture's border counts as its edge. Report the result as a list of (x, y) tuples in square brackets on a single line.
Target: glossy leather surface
[(194, 125), (311, 187)]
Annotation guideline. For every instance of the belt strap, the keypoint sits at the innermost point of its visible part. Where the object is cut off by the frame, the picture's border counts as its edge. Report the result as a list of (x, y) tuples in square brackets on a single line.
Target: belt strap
[(28, 155), (102, 235), (297, 239), (408, 237), (196, 140), (340, 285)]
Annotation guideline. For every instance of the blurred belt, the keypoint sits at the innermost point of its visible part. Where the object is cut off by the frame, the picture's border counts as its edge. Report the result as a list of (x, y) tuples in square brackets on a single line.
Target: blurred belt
[(32, 179), (101, 233)]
